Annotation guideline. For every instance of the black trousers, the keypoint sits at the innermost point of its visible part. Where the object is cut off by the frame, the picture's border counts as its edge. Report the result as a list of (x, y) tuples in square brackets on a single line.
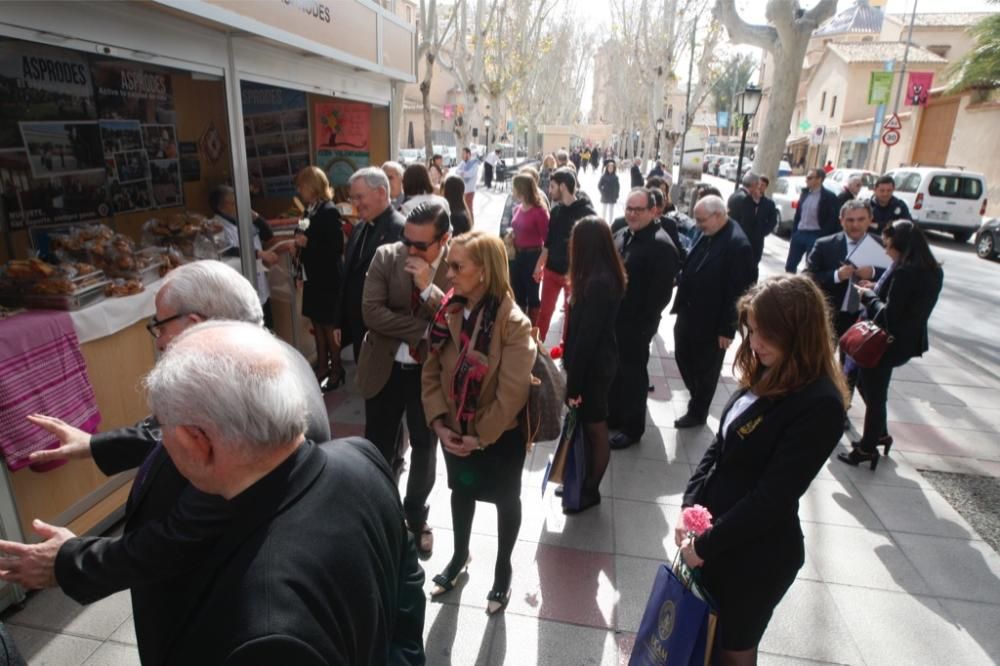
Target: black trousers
[(699, 360), (383, 427), (488, 174), (874, 386), (630, 387)]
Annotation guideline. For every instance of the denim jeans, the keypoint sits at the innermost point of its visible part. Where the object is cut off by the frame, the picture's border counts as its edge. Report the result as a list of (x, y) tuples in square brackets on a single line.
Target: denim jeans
[(801, 243)]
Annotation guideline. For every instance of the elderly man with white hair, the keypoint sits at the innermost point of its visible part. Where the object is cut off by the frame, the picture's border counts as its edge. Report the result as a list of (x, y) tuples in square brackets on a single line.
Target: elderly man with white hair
[(719, 268), (167, 523), (316, 560)]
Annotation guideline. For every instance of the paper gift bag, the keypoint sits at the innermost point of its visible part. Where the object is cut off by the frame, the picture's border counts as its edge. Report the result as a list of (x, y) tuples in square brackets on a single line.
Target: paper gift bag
[(675, 628), (556, 467)]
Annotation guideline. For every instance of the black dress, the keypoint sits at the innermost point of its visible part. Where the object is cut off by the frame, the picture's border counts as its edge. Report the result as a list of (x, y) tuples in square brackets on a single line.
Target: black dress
[(751, 479), (322, 258), (591, 350)]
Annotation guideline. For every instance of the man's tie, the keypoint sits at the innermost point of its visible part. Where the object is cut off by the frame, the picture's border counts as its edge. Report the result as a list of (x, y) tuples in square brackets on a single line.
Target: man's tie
[(628, 240), (852, 301)]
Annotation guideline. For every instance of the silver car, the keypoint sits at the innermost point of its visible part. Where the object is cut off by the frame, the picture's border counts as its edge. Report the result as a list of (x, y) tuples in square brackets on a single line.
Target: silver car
[(786, 193)]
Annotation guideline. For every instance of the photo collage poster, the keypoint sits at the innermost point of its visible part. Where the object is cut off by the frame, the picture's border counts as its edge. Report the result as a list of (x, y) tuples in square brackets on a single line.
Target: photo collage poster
[(341, 141), (276, 126), (82, 137)]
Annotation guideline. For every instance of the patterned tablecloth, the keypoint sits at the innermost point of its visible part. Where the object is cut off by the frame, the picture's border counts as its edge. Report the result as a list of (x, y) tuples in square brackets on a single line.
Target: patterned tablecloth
[(41, 371)]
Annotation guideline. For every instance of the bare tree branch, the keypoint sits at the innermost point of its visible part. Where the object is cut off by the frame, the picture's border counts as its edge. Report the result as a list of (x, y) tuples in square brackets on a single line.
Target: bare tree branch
[(742, 32)]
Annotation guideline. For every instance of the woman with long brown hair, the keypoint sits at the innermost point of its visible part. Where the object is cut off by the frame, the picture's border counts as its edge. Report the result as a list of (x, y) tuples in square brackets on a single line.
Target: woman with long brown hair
[(475, 383), (597, 285), (530, 225), (454, 192), (777, 432)]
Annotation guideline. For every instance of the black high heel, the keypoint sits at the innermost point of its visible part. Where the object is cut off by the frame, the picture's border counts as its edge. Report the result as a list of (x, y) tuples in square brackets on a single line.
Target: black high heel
[(885, 441), (443, 583), (334, 383), (496, 601), (858, 456)]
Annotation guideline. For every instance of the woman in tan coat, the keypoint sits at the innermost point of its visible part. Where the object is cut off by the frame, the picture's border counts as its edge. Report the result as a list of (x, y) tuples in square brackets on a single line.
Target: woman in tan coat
[(475, 383)]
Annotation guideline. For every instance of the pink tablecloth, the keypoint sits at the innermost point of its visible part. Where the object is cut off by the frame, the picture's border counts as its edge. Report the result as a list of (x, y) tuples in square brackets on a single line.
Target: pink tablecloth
[(41, 371)]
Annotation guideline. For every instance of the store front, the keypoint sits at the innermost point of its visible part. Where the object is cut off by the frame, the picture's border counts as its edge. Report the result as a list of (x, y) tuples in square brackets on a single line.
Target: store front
[(117, 120)]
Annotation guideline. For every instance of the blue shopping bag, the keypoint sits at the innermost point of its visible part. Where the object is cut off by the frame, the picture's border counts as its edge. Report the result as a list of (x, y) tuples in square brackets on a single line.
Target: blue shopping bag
[(575, 470), (676, 627)]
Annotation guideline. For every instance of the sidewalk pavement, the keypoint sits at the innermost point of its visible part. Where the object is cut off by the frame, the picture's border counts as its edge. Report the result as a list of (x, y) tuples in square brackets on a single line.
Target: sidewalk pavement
[(893, 574)]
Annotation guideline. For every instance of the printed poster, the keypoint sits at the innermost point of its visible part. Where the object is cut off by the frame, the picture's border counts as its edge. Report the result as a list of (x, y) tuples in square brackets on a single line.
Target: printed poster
[(880, 88), (60, 148), (132, 91), (276, 127), (41, 83), (62, 199), (341, 133), (918, 88)]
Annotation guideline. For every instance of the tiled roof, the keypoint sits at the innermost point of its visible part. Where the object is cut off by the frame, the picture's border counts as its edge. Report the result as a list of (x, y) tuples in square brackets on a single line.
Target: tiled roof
[(859, 18), (855, 52), (941, 20)]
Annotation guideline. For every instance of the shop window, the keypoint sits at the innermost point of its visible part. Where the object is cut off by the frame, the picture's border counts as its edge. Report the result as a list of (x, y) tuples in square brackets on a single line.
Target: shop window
[(833, 106)]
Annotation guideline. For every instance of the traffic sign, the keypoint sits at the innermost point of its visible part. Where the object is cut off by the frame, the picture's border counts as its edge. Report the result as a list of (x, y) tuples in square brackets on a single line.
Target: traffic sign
[(893, 123), (890, 137)]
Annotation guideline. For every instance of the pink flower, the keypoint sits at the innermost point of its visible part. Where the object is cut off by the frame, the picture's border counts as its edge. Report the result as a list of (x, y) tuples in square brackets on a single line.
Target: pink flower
[(696, 519)]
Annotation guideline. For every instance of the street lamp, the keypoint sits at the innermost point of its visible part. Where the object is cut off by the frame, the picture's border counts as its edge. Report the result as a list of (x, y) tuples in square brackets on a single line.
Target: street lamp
[(746, 103), (659, 128), (487, 121)]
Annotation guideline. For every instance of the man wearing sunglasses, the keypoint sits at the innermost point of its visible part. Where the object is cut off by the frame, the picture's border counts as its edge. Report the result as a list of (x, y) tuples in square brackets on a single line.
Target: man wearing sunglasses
[(404, 286)]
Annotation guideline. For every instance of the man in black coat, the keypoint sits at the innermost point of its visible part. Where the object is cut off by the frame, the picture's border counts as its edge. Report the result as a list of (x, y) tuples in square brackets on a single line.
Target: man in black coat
[(719, 268), (651, 262), (309, 569), (378, 224), (886, 207), (849, 192), (755, 220), (816, 216), (635, 173)]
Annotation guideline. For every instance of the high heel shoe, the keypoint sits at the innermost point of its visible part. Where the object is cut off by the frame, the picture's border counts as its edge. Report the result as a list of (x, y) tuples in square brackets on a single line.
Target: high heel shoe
[(444, 584), (334, 382), (858, 456), (496, 601), (885, 441)]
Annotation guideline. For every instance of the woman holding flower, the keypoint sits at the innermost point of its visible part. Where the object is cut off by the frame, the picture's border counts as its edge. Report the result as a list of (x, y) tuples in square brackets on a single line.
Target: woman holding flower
[(777, 432)]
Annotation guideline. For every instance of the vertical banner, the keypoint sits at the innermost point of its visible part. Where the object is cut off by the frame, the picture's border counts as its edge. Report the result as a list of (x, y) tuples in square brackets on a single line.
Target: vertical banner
[(880, 88), (340, 131), (276, 125), (918, 88)]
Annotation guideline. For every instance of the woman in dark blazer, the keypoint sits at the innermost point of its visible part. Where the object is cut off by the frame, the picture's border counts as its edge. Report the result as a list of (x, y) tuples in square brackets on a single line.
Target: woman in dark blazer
[(901, 303), (777, 432), (590, 357), (321, 256)]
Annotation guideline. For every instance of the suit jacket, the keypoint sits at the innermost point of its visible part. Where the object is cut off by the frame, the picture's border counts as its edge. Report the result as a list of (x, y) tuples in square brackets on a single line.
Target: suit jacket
[(311, 570), (752, 476), (828, 213), (902, 305), (842, 198), (635, 174), (713, 279), (591, 348), (504, 388), (387, 312), (651, 263), (387, 227), (826, 257)]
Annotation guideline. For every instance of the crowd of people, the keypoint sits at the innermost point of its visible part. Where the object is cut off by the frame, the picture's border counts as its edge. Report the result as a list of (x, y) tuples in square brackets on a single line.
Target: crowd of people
[(236, 463)]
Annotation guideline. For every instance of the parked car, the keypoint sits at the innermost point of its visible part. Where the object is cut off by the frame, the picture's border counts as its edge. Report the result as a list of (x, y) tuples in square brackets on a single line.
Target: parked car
[(988, 239), (408, 156), (786, 192), (717, 164), (836, 179), (727, 167), (706, 164), (943, 199), (784, 168)]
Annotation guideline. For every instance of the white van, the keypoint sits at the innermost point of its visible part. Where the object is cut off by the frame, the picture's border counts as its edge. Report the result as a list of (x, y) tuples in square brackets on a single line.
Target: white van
[(943, 199)]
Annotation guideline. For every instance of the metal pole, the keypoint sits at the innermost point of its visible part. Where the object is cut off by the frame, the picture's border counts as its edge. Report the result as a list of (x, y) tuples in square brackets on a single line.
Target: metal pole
[(687, 105), (902, 72), (241, 174), (743, 143)]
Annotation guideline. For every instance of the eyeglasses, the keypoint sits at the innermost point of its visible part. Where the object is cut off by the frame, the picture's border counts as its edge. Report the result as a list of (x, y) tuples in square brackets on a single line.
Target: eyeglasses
[(423, 246), (634, 211), (155, 326)]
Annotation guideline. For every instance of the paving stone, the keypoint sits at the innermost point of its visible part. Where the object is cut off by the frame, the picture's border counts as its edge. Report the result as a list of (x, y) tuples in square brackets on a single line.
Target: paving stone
[(808, 625), (916, 510), (53, 611), (954, 568)]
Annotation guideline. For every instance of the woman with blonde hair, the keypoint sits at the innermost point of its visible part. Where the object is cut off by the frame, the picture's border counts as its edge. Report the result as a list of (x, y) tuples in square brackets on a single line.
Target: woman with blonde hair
[(548, 166), (320, 239), (474, 386), (530, 226), (778, 431)]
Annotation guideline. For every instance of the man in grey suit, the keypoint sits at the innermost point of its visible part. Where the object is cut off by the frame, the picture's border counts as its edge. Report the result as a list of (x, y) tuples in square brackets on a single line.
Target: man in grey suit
[(405, 284)]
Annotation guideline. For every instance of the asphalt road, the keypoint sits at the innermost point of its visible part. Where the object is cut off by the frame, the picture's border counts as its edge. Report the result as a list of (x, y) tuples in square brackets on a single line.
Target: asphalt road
[(965, 325)]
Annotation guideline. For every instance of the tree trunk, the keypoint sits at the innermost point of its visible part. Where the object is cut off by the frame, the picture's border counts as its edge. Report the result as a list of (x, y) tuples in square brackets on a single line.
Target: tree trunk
[(425, 96)]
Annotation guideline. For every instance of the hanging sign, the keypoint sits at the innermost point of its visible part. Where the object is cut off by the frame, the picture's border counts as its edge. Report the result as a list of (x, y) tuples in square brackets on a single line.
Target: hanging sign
[(341, 132), (918, 88), (880, 88)]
